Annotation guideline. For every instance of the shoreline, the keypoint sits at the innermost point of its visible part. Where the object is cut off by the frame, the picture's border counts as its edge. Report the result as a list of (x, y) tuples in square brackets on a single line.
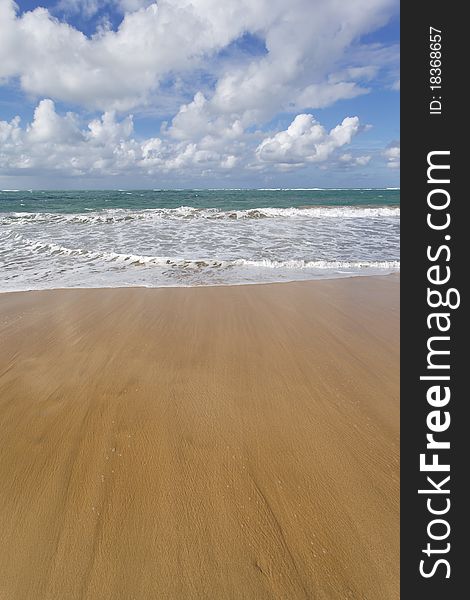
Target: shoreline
[(201, 442), (395, 274)]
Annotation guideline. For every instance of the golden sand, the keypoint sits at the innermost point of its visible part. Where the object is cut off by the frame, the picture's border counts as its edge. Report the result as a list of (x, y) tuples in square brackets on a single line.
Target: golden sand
[(204, 443)]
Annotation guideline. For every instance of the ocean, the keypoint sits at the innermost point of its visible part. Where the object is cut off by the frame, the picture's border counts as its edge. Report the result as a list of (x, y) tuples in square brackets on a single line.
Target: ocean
[(161, 238)]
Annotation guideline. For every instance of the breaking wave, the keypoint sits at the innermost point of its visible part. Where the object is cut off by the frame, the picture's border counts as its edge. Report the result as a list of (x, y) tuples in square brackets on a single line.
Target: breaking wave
[(198, 263), (187, 212)]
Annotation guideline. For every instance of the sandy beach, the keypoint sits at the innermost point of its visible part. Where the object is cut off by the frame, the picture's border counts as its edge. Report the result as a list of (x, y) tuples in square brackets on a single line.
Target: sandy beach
[(201, 443)]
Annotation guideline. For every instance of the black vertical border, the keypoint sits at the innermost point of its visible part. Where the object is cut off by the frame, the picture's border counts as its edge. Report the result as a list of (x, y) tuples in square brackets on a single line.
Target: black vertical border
[(421, 133)]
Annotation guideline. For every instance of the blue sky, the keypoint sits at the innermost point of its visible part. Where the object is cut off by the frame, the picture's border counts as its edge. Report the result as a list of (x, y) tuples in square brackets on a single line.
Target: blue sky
[(198, 93)]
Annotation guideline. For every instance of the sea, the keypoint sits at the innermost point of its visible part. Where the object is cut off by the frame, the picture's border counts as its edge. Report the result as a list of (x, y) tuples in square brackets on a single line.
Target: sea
[(167, 238)]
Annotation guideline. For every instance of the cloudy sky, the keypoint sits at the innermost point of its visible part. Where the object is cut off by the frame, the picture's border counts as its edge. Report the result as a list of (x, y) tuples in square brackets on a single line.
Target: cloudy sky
[(199, 93)]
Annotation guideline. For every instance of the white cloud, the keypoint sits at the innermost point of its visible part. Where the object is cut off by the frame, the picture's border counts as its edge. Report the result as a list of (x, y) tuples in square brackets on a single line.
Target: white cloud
[(196, 120), (108, 146), (10, 133), (392, 154), (229, 162), (108, 131), (325, 94), (305, 140), (168, 60), (355, 161), (48, 126), (304, 66)]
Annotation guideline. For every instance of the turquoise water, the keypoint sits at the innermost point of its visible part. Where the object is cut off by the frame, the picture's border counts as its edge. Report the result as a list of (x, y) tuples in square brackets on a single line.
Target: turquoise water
[(82, 201), (156, 238)]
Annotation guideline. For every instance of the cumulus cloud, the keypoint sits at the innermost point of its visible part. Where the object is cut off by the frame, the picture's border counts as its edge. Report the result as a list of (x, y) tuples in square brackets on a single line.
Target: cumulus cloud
[(303, 66), (107, 145), (196, 120), (176, 58), (355, 161), (392, 154), (306, 141), (48, 126)]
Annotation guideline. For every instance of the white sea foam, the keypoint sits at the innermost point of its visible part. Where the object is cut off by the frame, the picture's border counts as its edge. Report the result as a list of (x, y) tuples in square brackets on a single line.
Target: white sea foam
[(187, 212), (204, 262), (195, 246)]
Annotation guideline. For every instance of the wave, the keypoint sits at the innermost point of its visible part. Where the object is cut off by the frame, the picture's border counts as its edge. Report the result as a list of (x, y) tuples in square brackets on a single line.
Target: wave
[(318, 189), (201, 263), (187, 212)]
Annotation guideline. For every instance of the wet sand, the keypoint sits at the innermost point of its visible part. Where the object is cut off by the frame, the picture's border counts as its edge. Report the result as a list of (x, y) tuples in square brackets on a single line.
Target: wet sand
[(203, 443)]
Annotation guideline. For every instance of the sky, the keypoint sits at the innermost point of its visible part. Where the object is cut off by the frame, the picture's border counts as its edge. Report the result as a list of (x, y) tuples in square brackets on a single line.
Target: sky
[(199, 93)]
